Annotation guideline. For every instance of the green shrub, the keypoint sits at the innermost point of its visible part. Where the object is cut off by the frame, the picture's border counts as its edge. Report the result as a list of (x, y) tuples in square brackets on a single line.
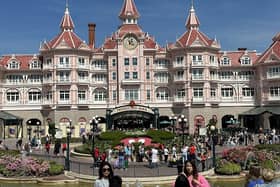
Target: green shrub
[(269, 147), (55, 169), (9, 152), (227, 168), (84, 149), (268, 164)]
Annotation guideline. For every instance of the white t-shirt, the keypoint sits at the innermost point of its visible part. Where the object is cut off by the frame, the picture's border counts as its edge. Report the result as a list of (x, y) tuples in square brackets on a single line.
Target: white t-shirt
[(165, 151), (101, 183)]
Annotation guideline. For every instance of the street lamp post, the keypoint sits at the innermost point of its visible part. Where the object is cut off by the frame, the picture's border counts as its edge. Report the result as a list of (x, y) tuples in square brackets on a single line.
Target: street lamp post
[(38, 125), (93, 123), (67, 160), (182, 121), (173, 118), (213, 136), (29, 129)]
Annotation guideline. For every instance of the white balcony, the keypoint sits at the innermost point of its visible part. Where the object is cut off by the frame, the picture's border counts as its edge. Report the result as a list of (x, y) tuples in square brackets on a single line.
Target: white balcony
[(86, 81), (131, 81), (49, 66), (63, 66), (214, 100), (83, 66), (98, 68), (197, 99), (179, 99), (64, 102), (198, 63)]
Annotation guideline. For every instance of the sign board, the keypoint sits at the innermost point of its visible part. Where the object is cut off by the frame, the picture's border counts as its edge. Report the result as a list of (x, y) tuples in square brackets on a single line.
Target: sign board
[(202, 131), (58, 134), (134, 108)]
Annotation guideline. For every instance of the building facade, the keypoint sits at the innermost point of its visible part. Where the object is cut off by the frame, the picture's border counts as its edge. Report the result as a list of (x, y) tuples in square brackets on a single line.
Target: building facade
[(131, 80)]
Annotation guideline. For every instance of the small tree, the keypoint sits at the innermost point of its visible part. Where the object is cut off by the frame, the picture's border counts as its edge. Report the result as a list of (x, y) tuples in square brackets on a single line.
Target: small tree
[(213, 121)]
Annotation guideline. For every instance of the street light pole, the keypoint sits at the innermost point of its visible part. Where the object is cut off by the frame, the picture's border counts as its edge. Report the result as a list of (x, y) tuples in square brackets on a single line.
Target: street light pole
[(213, 134), (67, 160), (29, 129), (182, 120), (93, 123), (38, 123), (173, 118)]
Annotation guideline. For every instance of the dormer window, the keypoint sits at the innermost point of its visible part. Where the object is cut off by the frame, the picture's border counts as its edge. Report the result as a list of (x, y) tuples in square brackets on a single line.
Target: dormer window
[(35, 65), (246, 61), (225, 61), (13, 65)]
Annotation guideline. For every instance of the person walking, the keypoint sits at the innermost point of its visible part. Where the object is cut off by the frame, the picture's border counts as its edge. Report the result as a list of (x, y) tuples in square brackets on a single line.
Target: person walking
[(105, 175), (166, 153), (195, 179), (47, 147)]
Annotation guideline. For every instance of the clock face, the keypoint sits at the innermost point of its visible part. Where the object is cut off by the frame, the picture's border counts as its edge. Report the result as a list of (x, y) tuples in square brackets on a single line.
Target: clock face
[(130, 42)]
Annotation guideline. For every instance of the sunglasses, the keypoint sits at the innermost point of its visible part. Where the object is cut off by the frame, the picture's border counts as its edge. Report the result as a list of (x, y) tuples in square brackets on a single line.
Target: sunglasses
[(105, 169)]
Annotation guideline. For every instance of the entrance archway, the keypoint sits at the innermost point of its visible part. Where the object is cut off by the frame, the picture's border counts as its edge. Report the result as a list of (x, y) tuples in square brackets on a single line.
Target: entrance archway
[(226, 120), (132, 117)]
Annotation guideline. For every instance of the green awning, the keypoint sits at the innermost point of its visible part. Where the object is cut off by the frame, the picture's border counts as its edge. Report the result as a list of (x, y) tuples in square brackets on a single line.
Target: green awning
[(7, 116), (260, 110)]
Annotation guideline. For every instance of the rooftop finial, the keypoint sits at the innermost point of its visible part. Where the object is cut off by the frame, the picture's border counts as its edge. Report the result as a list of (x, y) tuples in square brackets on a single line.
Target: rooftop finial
[(66, 10), (192, 21)]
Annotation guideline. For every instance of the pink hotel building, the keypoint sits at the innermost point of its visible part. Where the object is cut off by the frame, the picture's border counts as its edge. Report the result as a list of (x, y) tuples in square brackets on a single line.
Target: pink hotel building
[(130, 81)]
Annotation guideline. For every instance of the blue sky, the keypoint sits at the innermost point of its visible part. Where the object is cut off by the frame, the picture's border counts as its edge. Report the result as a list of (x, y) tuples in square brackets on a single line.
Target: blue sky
[(235, 23)]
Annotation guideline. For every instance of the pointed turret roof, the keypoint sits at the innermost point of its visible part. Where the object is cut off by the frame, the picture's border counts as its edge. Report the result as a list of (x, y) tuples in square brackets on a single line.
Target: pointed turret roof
[(67, 38), (193, 37), (67, 22), (192, 21), (129, 10), (273, 50)]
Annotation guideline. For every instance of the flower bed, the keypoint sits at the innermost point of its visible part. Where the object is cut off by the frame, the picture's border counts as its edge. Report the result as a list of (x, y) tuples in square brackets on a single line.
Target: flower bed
[(245, 158), (16, 166)]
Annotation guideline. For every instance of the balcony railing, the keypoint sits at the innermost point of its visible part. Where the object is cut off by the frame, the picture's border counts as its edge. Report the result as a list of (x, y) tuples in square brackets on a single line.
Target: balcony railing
[(197, 99), (197, 63), (131, 81), (179, 99), (59, 66), (197, 77)]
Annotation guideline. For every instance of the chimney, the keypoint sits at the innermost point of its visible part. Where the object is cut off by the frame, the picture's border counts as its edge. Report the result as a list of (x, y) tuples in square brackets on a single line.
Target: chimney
[(91, 34), (242, 49)]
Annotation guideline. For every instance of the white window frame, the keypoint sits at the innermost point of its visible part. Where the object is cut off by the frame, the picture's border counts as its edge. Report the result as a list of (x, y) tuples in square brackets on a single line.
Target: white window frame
[(225, 61), (12, 96), (131, 94), (34, 96), (100, 95), (64, 95), (227, 92), (248, 92)]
